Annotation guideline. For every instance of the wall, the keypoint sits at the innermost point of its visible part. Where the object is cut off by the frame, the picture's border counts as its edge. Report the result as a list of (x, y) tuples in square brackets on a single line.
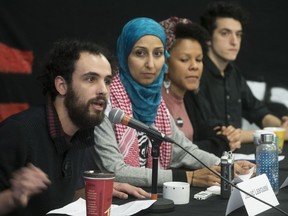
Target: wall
[(28, 28)]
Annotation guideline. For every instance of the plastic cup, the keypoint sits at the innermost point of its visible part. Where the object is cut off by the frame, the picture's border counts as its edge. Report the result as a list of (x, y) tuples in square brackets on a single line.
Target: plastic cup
[(280, 136), (98, 192)]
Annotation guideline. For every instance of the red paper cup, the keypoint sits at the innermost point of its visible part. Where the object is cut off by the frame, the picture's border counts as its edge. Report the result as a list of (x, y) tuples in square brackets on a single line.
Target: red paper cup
[(98, 191)]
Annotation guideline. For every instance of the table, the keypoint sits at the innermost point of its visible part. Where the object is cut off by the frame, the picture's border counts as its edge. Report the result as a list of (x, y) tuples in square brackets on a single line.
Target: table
[(217, 206)]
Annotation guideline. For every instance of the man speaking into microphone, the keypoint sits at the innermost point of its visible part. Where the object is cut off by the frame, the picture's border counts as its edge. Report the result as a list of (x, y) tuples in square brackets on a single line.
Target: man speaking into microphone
[(136, 89)]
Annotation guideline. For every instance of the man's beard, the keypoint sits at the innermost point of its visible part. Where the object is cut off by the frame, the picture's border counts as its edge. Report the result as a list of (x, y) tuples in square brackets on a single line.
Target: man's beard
[(79, 111)]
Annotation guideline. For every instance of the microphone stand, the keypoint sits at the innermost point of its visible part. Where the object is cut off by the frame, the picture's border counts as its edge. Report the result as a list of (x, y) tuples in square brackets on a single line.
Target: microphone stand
[(161, 205)]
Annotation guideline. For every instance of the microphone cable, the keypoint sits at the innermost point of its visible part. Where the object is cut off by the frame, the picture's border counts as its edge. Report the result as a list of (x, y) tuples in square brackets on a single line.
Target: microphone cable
[(118, 116), (230, 183)]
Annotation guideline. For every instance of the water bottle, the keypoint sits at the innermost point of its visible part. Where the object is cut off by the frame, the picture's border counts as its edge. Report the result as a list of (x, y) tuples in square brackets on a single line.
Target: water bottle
[(267, 160)]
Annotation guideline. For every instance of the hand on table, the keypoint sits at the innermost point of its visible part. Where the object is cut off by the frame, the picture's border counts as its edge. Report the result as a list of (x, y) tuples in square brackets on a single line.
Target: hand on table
[(233, 135), (243, 167), (121, 190), (204, 177)]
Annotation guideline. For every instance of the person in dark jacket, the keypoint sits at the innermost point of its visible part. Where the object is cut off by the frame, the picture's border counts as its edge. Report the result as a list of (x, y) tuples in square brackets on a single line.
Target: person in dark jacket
[(222, 85), (42, 148)]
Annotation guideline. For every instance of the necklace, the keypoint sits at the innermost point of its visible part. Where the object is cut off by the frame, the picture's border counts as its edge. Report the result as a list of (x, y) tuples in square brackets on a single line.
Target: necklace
[(179, 122)]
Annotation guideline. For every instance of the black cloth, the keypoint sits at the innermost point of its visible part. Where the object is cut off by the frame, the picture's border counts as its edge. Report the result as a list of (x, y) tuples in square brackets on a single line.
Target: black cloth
[(204, 134), (179, 174), (278, 109), (215, 205), (25, 138), (229, 97)]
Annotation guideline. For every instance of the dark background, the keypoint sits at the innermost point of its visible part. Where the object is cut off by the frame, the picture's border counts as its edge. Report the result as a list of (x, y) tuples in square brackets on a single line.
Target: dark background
[(33, 25)]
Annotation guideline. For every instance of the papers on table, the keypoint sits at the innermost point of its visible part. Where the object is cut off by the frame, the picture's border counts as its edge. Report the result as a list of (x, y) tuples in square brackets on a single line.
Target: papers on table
[(78, 208), (251, 157), (259, 187)]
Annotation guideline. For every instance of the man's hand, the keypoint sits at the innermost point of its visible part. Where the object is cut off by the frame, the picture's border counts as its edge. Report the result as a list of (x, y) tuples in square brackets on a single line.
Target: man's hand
[(243, 167), (26, 182), (121, 190), (233, 135)]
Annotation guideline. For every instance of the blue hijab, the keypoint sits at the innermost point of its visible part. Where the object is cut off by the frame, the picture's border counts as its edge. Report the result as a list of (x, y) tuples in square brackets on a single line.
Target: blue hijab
[(145, 99)]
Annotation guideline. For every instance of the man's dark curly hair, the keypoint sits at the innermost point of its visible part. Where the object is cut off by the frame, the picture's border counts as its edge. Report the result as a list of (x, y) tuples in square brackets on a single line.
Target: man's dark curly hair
[(62, 59), (223, 9), (192, 31)]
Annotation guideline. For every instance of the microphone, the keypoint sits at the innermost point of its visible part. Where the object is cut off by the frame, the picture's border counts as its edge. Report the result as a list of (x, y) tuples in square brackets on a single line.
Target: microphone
[(118, 116)]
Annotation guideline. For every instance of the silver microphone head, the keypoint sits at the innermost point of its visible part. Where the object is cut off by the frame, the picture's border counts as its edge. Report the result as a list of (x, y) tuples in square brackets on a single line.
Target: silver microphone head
[(116, 115)]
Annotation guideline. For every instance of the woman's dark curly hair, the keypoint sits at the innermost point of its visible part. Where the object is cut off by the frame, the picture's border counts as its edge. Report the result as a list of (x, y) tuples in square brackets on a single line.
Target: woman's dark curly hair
[(223, 9), (62, 59), (192, 31)]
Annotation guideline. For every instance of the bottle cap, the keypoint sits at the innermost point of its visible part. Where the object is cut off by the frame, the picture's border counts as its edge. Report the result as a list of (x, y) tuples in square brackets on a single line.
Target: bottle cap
[(267, 138)]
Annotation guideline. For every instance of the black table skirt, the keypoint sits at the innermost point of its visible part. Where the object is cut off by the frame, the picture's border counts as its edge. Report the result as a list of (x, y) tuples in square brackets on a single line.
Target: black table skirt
[(215, 205)]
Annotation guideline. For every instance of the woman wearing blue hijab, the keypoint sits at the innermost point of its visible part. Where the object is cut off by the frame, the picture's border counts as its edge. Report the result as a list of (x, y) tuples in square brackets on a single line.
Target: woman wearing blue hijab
[(145, 99)]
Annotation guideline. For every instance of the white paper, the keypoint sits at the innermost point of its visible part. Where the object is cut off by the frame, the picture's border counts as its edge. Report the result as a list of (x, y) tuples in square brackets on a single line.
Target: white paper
[(285, 183), (259, 187), (235, 201), (244, 177), (78, 208), (131, 207), (251, 157)]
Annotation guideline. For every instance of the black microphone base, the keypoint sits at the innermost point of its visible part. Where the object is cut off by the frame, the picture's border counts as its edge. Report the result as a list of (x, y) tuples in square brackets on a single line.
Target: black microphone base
[(161, 205)]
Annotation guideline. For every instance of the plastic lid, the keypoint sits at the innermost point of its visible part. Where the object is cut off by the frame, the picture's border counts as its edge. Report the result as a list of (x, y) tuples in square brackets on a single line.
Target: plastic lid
[(267, 138), (98, 174)]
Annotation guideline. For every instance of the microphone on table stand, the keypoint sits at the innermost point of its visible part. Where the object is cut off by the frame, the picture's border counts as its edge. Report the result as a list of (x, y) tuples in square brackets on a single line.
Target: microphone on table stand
[(118, 116)]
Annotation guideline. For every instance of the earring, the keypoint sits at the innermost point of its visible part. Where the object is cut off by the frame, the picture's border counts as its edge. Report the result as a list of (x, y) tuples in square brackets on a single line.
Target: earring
[(167, 84)]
